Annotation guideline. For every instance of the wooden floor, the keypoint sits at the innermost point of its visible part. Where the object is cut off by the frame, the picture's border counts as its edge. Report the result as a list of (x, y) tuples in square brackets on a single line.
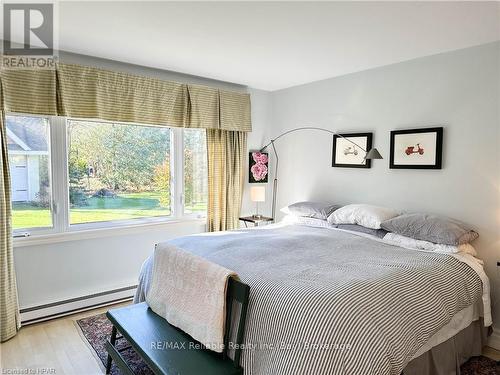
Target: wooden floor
[(491, 353), (56, 346)]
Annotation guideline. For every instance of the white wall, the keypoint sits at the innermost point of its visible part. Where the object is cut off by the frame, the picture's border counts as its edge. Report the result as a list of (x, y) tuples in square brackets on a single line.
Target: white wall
[(58, 271), (261, 123), (458, 90)]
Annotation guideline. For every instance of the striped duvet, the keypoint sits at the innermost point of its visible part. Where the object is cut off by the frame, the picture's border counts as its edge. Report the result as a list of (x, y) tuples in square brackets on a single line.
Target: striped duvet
[(324, 301)]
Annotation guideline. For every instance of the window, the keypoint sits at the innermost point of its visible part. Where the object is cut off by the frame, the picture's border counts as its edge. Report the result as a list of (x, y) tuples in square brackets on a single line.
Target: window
[(28, 141), (70, 174), (195, 172), (117, 171)]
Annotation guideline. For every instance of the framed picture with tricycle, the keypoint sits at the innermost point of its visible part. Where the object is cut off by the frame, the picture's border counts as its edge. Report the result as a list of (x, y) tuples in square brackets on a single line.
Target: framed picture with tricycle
[(416, 148), (349, 150)]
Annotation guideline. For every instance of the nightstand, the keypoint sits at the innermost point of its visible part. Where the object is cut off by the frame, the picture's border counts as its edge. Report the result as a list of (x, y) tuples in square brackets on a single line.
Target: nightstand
[(255, 220)]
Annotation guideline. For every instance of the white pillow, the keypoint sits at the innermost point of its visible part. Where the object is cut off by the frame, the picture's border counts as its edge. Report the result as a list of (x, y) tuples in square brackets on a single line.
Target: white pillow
[(308, 221), (362, 214), (403, 241)]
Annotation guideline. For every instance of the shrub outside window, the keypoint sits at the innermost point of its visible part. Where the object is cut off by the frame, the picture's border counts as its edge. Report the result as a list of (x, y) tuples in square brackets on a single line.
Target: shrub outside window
[(118, 171)]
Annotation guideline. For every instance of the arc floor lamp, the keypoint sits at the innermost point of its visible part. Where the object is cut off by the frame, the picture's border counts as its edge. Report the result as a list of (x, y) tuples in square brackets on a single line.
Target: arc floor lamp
[(370, 155)]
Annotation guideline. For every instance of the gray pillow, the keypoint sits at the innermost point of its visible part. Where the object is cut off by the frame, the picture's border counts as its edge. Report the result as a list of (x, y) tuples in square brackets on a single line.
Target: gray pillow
[(380, 233), (317, 210), (431, 228)]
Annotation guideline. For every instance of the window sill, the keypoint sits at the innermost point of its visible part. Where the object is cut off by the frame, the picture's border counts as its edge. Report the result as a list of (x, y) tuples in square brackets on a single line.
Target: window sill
[(109, 231)]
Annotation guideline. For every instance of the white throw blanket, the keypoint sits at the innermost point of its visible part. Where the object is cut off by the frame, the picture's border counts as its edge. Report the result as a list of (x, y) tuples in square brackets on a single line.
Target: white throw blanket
[(190, 293)]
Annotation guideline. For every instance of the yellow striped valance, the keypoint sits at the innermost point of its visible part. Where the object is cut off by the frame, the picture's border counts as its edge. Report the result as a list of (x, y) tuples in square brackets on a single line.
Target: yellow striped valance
[(88, 92), (29, 91), (203, 107), (95, 93), (235, 111)]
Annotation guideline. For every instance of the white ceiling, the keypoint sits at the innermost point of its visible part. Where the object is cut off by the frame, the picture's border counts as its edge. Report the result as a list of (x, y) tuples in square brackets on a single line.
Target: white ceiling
[(273, 45)]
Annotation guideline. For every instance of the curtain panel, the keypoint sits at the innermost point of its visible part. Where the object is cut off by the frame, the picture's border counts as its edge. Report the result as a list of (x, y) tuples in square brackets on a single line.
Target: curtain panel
[(29, 92), (9, 307), (226, 166)]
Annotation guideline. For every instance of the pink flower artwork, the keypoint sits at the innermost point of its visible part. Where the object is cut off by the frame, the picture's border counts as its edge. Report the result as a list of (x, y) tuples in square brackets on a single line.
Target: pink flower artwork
[(259, 171), (259, 157), (258, 167)]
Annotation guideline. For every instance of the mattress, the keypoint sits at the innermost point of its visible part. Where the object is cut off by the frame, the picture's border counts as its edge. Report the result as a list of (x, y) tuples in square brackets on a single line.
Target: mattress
[(327, 301)]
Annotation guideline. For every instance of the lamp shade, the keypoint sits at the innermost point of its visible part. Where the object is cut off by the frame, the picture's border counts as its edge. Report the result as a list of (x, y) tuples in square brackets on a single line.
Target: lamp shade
[(373, 154), (258, 194)]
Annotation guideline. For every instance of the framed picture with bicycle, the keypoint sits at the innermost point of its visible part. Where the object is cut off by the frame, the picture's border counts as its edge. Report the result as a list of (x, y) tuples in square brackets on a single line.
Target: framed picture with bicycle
[(349, 150), (416, 148)]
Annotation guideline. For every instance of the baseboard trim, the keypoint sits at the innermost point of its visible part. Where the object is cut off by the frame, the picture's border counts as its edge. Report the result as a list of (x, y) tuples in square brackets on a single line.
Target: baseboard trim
[(494, 339), (57, 309)]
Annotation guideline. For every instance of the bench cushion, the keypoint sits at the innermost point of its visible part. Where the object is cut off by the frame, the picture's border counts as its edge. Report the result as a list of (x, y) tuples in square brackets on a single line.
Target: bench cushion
[(165, 348)]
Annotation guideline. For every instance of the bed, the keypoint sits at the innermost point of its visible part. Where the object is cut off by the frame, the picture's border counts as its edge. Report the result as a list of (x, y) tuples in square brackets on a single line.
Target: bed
[(328, 301)]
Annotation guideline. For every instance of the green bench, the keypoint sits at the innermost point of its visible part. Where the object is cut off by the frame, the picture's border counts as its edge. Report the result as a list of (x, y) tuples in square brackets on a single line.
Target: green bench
[(166, 349)]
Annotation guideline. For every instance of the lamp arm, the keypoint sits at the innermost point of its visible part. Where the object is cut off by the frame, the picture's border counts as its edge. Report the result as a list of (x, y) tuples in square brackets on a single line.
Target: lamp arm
[(309, 128), (275, 182), (271, 143)]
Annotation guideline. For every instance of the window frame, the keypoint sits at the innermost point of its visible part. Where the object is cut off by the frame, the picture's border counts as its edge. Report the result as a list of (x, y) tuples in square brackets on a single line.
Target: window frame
[(59, 184), (27, 232), (180, 168)]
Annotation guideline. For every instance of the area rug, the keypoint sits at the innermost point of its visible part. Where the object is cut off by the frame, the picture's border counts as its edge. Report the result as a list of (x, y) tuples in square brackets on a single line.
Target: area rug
[(97, 329)]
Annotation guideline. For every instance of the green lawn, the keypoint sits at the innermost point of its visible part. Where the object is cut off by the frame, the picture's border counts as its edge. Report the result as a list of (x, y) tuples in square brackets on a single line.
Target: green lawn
[(121, 207), (27, 216)]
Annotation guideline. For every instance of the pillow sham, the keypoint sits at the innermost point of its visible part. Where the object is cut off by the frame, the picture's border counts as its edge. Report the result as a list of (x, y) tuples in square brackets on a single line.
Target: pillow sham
[(399, 240), (362, 214), (431, 228), (317, 210), (380, 233)]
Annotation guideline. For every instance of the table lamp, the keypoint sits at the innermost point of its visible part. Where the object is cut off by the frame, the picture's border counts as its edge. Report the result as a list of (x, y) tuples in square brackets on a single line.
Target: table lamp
[(257, 194)]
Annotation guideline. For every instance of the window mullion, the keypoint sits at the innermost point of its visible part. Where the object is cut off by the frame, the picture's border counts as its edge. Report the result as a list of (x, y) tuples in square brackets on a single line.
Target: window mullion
[(177, 183), (59, 172)]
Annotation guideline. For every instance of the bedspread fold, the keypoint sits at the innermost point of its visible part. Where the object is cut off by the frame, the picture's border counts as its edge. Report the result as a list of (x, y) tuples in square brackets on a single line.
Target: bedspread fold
[(190, 293)]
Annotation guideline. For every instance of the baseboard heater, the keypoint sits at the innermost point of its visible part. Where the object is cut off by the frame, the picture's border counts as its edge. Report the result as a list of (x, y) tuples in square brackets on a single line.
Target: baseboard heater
[(54, 310)]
